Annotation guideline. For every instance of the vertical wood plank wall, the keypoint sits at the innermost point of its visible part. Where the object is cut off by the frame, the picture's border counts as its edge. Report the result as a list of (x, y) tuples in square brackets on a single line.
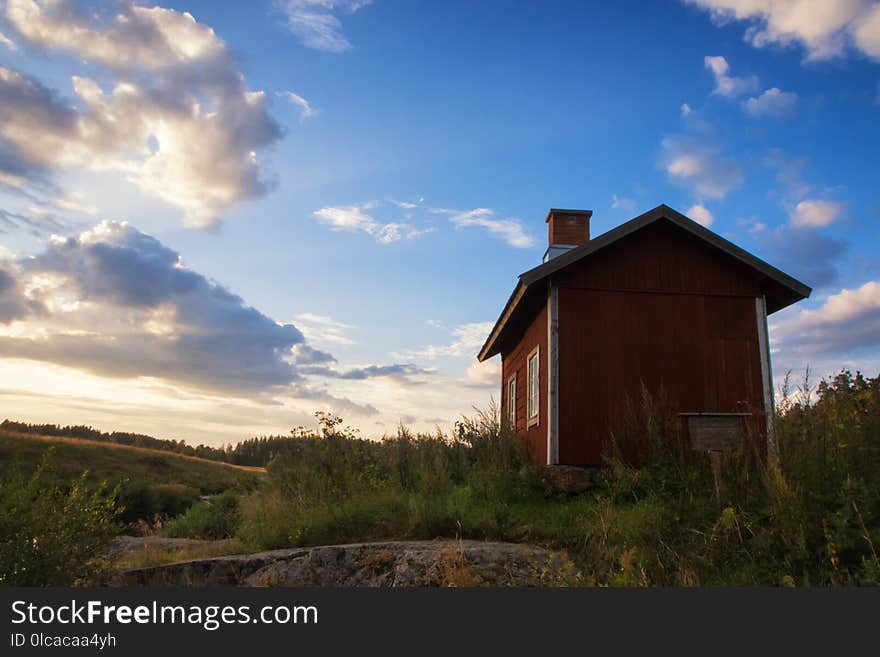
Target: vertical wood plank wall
[(663, 309), (515, 361)]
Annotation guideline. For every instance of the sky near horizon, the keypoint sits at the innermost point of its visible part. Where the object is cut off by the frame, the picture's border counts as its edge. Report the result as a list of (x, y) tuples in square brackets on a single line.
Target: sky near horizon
[(219, 217)]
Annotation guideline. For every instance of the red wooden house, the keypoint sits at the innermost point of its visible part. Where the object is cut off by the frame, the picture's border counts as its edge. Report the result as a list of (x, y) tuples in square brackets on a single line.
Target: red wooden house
[(659, 302)]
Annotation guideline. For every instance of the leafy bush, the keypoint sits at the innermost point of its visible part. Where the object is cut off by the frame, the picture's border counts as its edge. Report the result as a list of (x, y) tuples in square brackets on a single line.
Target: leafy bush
[(142, 501), (215, 518), (51, 535)]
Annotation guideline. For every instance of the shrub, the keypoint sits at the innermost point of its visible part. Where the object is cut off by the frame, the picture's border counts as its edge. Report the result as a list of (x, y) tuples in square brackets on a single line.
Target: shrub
[(140, 501), (215, 518), (51, 535)]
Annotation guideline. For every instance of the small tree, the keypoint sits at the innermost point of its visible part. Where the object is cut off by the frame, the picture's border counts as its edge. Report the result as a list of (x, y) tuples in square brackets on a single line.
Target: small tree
[(52, 536)]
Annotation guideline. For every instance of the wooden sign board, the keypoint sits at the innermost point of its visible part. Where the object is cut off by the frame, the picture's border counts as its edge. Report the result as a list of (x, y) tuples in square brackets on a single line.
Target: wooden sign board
[(715, 433)]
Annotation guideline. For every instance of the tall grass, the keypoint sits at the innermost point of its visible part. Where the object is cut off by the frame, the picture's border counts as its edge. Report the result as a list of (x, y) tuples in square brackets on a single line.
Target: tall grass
[(810, 517), (660, 513), (335, 487)]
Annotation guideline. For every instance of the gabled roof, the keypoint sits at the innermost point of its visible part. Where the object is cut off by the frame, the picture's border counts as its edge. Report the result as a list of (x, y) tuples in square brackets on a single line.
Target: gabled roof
[(795, 290)]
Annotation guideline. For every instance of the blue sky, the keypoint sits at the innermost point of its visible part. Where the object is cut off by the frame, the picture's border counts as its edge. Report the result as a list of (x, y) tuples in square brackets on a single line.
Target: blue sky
[(352, 187)]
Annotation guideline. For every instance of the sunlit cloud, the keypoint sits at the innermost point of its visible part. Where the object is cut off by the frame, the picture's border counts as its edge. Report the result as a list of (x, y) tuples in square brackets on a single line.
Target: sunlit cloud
[(825, 29), (188, 133), (510, 231), (815, 213), (725, 84), (701, 214)]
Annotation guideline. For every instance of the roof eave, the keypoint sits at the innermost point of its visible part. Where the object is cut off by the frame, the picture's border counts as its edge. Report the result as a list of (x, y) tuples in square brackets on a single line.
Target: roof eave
[(490, 347)]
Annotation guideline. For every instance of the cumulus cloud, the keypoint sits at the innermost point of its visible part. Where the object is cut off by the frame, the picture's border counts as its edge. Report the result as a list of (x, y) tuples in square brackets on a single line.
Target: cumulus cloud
[(510, 231), (701, 214), (700, 165), (121, 304), (846, 324), (358, 218), (14, 303), (316, 24), (772, 103), (815, 213), (725, 84), (179, 120), (306, 111), (824, 28)]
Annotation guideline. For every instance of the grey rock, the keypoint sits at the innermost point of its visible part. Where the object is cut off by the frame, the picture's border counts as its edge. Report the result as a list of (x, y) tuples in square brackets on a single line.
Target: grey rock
[(391, 564)]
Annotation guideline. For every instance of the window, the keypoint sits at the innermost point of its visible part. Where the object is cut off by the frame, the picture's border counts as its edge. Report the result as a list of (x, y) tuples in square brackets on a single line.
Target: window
[(534, 387), (511, 402)]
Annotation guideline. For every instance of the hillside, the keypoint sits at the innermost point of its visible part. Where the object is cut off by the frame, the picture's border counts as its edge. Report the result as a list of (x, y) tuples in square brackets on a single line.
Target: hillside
[(116, 463)]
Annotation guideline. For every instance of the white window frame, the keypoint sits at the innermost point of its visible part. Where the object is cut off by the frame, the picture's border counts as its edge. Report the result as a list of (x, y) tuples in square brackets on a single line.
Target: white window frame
[(511, 402), (533, 418)]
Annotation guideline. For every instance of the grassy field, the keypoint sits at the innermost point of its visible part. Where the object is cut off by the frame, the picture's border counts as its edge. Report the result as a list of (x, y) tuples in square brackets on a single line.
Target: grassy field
[(120, 463)]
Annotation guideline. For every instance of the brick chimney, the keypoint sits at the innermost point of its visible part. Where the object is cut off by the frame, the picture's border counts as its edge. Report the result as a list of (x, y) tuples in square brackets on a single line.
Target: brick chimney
[(567, 229)]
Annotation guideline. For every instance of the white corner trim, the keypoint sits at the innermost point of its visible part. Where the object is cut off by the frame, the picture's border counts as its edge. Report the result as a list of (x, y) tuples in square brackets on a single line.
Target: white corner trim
[(766, 374), (553, 376)]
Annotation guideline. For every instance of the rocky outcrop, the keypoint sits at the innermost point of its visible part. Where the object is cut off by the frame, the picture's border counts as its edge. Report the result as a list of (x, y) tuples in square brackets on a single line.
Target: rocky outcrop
[(398, 563)]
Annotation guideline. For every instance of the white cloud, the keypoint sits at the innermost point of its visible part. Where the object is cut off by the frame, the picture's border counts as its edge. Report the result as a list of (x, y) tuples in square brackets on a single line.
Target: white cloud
[(701, 214), (487, 373), (773, 103), (727, 85), (151, 37), (815, 213), (178, 120), (315, 23), (6, 41), (622, 203), (847, 323), (468, 338), (509, 230), (74, 201), (357, 218), (686, 109), (700, 165), (322, 329), (306, 111), (867, 32), (825, 28)]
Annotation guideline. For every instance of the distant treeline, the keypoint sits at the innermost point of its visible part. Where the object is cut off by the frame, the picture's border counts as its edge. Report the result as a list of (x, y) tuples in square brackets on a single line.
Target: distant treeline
[(254, 451)]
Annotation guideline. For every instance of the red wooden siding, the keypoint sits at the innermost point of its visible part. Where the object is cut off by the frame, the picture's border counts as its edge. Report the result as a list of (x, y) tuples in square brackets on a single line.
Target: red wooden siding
[(535, 335), (659, 308)]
